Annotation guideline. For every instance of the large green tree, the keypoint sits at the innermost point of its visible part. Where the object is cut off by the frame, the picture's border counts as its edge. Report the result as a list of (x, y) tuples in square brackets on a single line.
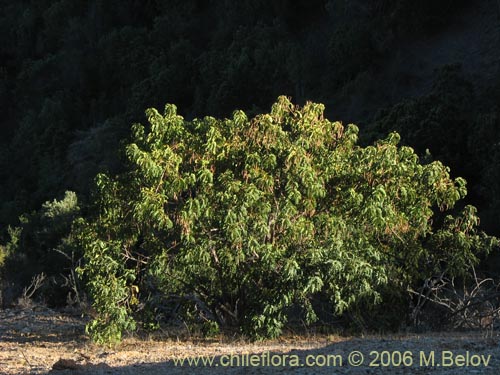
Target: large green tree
[(241, 220)]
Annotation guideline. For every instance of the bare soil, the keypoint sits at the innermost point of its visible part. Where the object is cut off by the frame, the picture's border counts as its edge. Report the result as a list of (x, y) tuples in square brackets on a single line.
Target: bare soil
[(38, 340)]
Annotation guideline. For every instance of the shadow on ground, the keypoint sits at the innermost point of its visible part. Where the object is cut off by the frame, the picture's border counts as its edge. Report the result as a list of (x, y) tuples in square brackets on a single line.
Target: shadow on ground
[(433, 354)]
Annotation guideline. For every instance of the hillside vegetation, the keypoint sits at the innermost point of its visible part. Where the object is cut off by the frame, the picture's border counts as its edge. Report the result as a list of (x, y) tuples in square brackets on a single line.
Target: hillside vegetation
[(420, 80)]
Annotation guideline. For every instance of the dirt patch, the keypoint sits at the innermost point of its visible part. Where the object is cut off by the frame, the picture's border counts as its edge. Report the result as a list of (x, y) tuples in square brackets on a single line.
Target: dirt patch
[(42, 341)]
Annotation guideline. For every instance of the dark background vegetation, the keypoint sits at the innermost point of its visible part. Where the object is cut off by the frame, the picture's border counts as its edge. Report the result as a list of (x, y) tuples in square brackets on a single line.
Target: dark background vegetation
[(74, 75)]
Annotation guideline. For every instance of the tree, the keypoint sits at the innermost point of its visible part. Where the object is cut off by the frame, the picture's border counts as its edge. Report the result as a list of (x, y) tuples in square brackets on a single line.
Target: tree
[(237, 221)]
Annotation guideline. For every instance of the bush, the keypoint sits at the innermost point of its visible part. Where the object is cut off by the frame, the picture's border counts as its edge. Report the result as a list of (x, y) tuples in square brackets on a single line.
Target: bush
[(42, 244), (240, 221)]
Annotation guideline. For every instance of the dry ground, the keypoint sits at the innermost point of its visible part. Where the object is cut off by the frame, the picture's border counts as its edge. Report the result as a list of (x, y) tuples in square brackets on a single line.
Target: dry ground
[(40, 341)]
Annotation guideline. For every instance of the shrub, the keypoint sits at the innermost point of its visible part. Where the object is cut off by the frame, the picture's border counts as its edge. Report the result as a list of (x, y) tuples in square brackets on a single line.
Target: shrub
[(42, 244), (240, 221)]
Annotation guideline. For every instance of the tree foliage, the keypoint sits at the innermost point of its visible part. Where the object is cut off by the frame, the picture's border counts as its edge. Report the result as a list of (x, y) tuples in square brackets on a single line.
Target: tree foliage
[(238, 221)]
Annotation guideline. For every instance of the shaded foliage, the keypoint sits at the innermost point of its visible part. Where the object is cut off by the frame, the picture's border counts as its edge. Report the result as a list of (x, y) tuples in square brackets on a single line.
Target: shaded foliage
[(43, 244)]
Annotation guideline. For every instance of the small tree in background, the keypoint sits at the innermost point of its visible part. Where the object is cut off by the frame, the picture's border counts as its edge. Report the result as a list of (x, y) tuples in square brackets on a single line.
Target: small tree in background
[(238, 220)]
